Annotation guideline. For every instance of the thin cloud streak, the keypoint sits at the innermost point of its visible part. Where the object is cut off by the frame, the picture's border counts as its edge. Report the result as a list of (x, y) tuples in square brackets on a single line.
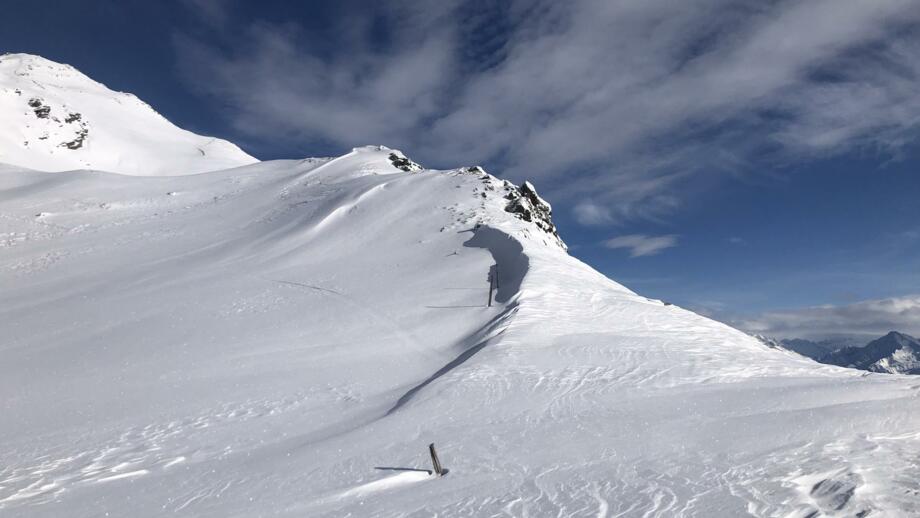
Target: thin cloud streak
[(640, 245)]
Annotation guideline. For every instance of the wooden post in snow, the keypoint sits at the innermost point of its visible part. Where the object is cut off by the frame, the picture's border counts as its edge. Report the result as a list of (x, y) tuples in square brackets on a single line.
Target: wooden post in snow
[(491, 283), (434, 460)]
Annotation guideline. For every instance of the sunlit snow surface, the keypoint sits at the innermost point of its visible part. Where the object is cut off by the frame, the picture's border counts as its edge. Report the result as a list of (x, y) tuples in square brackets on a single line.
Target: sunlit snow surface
[(286, 339), (54, 118)]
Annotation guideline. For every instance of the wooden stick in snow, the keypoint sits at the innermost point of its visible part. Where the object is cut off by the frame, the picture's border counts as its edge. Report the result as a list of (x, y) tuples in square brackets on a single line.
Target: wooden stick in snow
[(492, 281), (434, 460)]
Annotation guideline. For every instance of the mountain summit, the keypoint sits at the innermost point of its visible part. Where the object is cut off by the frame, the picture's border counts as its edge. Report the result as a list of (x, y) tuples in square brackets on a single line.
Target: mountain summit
[(54, 118), (895, 353)]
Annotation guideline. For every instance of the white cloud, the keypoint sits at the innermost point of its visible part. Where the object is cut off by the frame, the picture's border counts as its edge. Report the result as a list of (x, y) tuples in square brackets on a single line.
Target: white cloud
[(622, 102), (869, 317), (590, 213), (640, 245)]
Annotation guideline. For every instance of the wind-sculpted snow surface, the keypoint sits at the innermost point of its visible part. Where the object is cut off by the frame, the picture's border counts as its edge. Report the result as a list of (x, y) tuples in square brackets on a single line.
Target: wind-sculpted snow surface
[(286, 338)]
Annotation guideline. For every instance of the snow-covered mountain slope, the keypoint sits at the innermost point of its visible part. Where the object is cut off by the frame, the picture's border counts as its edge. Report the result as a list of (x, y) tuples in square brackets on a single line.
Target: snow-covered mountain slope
[(54, 118), (892, 353), (286, 338)]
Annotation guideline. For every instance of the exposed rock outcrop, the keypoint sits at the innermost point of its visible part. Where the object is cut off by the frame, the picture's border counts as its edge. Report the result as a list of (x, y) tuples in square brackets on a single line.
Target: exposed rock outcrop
[(400, 161), (526, 204)]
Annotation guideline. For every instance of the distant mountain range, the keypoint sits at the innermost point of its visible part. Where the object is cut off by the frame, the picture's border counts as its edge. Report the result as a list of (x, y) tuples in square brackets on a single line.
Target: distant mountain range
[(817, 349), (894, 353)]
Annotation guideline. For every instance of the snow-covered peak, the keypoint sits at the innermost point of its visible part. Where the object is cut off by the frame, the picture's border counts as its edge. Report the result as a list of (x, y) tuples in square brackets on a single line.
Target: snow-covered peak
[(518, 209), (895, 353), (370, 148), (44, 70), (55, 118)]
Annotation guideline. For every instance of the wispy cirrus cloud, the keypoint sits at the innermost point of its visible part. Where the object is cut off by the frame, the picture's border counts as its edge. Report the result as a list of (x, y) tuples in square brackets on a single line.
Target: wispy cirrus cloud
[(869, 317), (640, 245), (591, 213), (619, 103)]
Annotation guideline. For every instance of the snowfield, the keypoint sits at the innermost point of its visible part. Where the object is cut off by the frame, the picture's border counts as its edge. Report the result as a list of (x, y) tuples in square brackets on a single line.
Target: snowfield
[(286, 338), (54, 118)]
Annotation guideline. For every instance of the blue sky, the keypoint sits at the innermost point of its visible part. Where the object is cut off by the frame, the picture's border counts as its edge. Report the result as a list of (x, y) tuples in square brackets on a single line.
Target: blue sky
[(755, 161)]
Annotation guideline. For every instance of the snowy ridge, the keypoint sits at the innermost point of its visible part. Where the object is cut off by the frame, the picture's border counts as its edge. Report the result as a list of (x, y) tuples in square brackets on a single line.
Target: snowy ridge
[(286, 338), (56, 119)]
